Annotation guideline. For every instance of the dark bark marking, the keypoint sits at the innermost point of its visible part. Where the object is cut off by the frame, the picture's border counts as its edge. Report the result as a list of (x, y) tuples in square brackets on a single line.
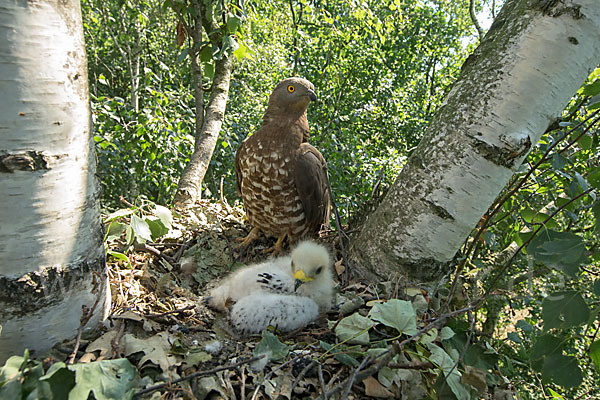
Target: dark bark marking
[(439, 211), (28, 161), (502, 156), (40, 289)]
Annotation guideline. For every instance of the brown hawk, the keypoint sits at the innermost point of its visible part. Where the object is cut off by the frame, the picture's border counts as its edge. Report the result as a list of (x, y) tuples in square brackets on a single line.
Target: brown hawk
[(281, 178)]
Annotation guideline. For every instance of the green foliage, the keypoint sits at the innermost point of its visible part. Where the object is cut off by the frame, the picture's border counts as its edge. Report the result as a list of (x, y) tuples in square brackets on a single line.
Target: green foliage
[(380, 71), (23, 378), (551, 210), (147, 223), (272, 347)]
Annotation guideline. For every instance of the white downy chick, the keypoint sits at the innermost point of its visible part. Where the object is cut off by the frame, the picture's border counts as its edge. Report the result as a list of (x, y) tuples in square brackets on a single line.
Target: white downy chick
[(249, 279), (310, 291)]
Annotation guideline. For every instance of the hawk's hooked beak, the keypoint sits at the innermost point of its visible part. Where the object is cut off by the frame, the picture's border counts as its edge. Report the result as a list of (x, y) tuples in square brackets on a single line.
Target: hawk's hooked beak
[(301, 278), (312, 95)]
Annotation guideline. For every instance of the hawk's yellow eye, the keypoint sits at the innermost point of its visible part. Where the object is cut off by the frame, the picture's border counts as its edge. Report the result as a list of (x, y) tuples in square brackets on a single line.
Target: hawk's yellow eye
[(291, 89)]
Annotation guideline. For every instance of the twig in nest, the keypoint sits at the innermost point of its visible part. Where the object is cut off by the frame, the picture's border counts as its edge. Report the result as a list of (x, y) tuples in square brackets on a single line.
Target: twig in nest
[(243, 382), (302, 373), (424, 365), (322, 382), (353, 377), (268, 376), (191, 306), (196, 375), (86, 315), (149, 249)]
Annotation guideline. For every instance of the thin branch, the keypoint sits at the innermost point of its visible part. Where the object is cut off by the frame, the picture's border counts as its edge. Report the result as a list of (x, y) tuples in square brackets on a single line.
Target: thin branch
[(474, 19), (179, 310), (353, 377), (322, 382), (196, 375), (86, 315)]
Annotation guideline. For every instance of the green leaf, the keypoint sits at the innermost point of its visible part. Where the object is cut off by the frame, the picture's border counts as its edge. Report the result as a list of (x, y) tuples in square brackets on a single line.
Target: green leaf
[(597, 287), (585, 142), (592, 89), (596, 212), (233, 23), (524, 326), (555, 395), (446, 333), (594, 177), (354, 329), (440, 358), (559, 161), (546, 345), (165, 216), (123, 212), (514, 336), (562, 370), (106, 379), (206, 53), (339, 354), (564, 309), (209, 70), (595, 353), (564, 251), (60, 379), (398, 314), (269, 344), (182, 54), (157, 229), (141, 229), (115, 230)]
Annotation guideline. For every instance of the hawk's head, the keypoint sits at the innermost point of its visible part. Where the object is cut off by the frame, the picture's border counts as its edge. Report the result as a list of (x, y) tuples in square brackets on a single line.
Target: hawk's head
[(293, 94)]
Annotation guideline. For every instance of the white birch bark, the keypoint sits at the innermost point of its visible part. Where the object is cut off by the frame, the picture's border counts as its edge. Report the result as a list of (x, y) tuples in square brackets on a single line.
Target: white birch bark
[(534, 58), (51, 240)]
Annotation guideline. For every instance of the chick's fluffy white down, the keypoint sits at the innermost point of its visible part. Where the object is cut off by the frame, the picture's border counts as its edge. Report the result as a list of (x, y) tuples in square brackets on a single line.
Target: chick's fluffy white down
[(252, 314)]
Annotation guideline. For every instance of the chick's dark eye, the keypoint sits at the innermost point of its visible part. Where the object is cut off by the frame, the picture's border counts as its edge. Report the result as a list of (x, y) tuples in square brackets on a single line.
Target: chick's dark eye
[(318, 271), (291, 89)]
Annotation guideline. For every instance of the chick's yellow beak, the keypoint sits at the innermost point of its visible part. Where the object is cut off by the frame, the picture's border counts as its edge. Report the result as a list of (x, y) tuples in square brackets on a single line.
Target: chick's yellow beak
[(301, 278)]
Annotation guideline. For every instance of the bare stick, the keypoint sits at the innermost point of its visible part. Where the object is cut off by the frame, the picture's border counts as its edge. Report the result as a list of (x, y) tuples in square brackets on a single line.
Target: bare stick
[(196, 375), (353, 377), (86, 314), (170, 312), (322, 382)]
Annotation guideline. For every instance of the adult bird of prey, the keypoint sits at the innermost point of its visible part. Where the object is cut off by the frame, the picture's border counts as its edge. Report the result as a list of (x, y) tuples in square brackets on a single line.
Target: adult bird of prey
[(281, 178), (285, 292)]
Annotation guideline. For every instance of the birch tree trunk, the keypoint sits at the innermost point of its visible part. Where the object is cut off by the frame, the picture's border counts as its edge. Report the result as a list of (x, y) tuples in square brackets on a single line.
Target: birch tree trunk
[(533, 59), (51, 240)]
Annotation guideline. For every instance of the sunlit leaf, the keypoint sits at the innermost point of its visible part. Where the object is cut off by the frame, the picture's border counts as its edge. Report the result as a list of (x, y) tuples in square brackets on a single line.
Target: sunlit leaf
[(398, 314), (141, 229), (354, 329)]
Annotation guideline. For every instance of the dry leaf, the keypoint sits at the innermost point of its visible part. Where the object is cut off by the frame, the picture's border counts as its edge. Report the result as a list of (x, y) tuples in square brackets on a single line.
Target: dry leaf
[(181, 34), (339, 267), (476, 378), (155, 348), (375, 389), (104, 344)]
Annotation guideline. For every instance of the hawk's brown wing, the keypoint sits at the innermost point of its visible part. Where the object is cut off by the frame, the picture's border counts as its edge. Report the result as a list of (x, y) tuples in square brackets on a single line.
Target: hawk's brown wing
[(238, 171), (310, 177)]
